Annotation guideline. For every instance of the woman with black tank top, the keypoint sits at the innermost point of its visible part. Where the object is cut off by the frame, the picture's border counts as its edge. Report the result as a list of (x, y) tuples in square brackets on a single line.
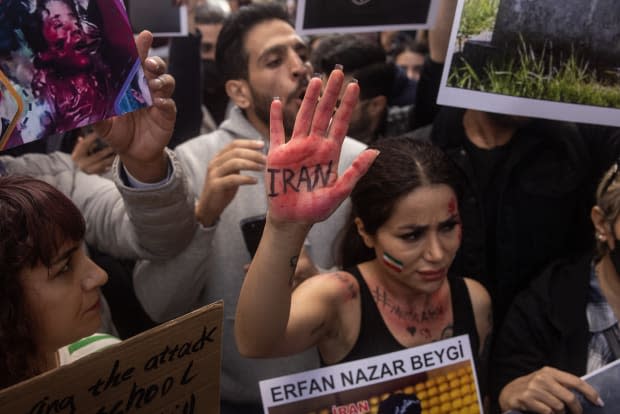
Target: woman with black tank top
[(405, 229)]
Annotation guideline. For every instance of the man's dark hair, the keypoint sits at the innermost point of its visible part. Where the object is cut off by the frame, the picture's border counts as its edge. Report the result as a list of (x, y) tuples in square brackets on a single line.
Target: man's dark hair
[(362, 59), (231, 55)]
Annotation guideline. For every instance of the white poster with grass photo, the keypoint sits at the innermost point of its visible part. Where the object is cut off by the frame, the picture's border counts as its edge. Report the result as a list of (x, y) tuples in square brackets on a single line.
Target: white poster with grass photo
[(535, 59)]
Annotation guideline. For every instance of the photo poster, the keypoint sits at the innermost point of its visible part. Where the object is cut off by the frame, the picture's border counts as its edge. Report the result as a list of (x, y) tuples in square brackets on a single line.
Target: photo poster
[(511, 61), (605, 380), (359, 16), (437, 377), (160, 17), (173, 368), (65, 64)]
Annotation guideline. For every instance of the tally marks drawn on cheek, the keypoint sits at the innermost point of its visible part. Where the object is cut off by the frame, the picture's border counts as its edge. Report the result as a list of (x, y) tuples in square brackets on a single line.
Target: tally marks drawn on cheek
[(298, 180)]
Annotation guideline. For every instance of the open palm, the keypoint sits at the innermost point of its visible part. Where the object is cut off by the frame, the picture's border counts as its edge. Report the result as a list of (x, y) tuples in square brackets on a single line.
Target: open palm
[(302, 174)]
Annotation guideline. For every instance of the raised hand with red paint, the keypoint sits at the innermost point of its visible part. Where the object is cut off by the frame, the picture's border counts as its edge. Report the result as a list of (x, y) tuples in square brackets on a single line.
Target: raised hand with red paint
[(302, 174), (401, 241)]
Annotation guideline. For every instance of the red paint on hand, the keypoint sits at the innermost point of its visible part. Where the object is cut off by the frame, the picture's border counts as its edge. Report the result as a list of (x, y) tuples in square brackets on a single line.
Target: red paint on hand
[(302, 175)]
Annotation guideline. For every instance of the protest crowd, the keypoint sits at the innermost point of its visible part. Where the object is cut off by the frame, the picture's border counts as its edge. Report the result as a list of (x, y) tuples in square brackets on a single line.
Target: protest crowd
[(386, 220)]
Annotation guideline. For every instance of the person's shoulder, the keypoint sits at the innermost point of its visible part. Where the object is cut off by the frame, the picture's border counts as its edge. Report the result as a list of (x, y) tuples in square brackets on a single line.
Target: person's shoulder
[(561, 275), (335, 286), (86, 346), (39, 163), (480, 298)]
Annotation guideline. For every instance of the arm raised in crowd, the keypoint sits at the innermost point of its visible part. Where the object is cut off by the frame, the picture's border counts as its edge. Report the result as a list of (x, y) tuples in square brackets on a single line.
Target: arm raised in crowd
[(309, 160), (430, 78)]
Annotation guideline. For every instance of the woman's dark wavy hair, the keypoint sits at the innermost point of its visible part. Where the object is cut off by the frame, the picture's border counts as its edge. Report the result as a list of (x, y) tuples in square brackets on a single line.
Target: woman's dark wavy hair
[(35, 220), (403, 165)]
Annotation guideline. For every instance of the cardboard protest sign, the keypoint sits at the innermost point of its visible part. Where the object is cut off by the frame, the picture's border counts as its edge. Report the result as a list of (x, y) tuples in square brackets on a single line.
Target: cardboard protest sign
[(160, 17), (535, 59), (357, 16), (65, 64), (438, 377), (171, 369)]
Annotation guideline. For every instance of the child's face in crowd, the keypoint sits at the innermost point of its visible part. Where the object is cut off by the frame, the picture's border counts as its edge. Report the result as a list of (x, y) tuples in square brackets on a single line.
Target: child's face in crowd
[(423, 234), (411, 62), (277, 66), (63, 300)]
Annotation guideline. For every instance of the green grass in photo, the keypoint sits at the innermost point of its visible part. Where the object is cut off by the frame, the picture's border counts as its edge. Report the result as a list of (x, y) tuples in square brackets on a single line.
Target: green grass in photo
[(478, 16), (538, 77)]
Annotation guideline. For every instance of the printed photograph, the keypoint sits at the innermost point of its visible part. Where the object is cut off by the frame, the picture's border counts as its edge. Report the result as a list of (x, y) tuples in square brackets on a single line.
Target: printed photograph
[(539, 52), (356, 16), (162, 18), (450, 388), (65, 64)]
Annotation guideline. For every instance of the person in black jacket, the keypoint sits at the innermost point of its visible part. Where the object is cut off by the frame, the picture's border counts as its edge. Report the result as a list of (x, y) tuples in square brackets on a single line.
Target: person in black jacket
[(566, 324)]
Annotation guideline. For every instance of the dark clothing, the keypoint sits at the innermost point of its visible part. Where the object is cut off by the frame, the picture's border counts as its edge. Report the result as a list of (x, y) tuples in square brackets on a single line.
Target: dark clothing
[(533, 208), (184, 66), (232, 408), (375, 338), (345, 13), (546, 325), (425, 108)]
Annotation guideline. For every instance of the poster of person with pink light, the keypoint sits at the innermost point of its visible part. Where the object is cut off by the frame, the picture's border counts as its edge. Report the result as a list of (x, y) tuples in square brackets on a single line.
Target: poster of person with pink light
[(65, 64)]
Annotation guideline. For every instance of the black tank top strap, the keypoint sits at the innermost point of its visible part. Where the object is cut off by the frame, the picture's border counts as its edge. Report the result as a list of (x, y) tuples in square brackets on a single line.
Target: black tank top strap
[(464, 321)]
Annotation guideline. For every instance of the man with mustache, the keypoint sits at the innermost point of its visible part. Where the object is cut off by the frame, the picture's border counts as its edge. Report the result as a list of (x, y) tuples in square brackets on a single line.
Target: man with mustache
[(260, 57)]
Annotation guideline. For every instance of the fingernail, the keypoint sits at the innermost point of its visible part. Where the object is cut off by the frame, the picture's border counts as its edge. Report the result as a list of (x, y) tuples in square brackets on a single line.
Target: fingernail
[(152, 62), (157, 83), (600, 402), (338, 66), (276, 98), (317, 75), (354, 80)]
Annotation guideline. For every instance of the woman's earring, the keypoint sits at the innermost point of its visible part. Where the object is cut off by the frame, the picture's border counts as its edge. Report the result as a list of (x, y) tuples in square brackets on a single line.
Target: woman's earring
[(600, 237)]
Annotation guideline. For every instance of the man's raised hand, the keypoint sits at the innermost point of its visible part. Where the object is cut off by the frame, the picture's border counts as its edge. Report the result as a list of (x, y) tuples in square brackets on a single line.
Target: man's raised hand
[(301, 179), (141, 136)]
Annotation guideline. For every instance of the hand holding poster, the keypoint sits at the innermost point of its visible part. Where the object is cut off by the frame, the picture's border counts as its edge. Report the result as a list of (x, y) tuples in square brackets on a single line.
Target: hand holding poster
[(170, 369), (535, 59), (606, 381), (65, 64), (438, 377)]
